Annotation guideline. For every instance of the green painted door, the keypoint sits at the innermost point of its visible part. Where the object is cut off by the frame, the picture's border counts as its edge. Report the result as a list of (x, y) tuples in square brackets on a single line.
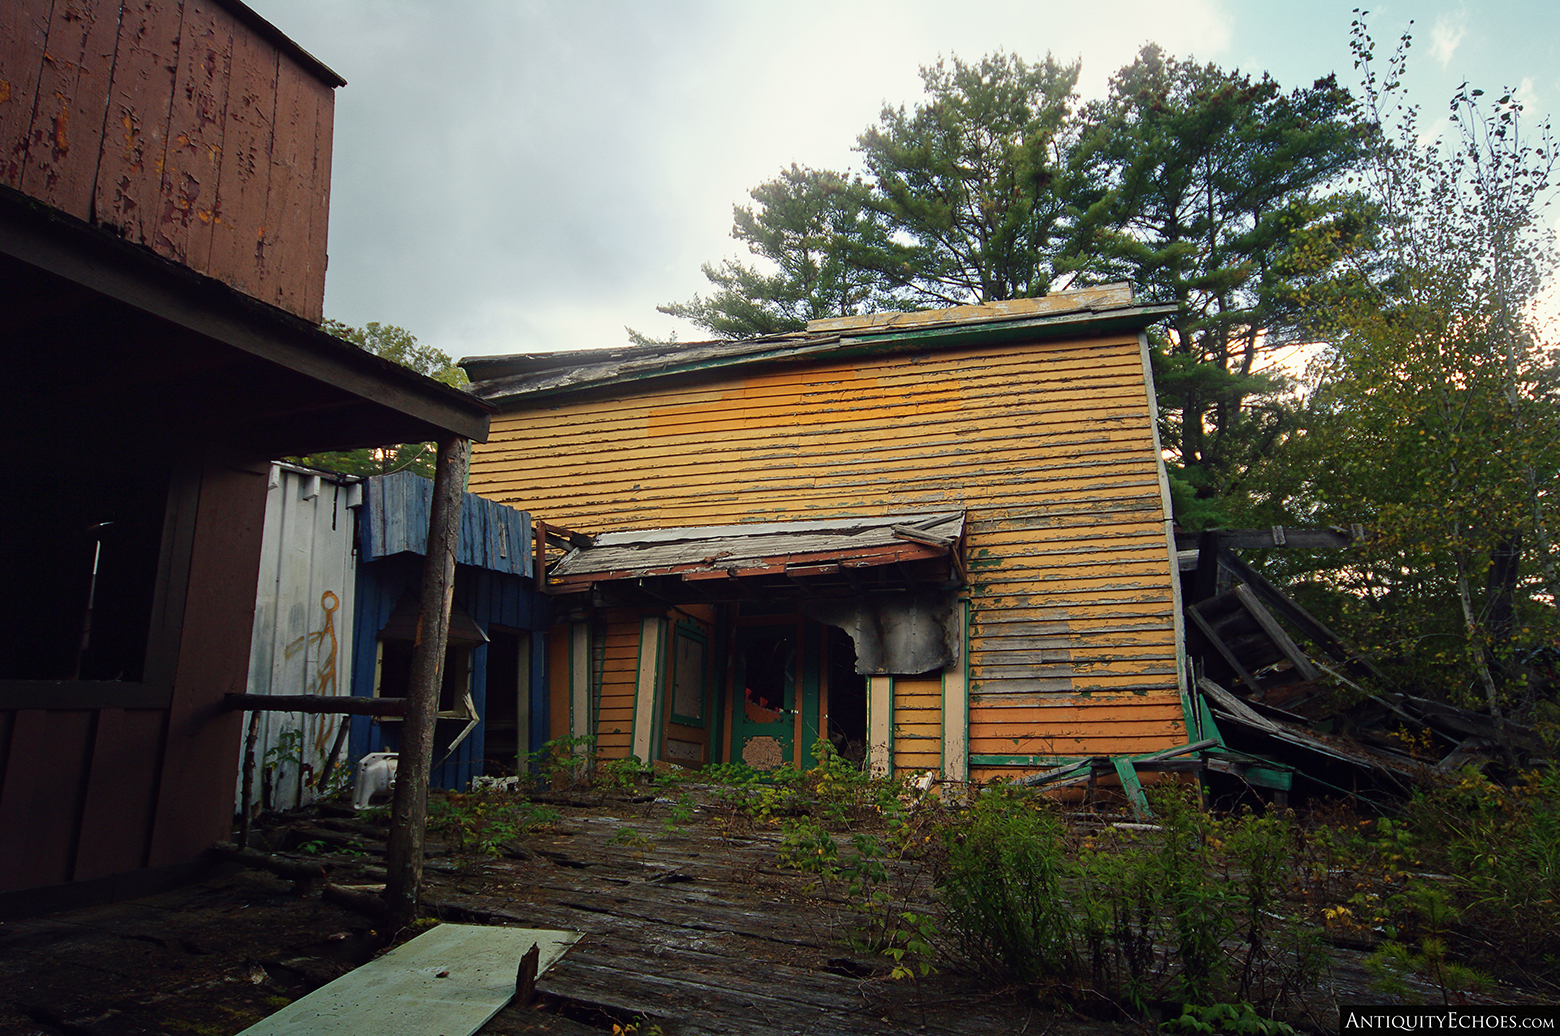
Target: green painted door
[(764, 699)]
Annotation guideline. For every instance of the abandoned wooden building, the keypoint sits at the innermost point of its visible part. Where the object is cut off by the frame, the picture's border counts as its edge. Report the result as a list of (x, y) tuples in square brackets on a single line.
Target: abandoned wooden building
[(164, 184), (340, 564), (939, 538), (492, 701)]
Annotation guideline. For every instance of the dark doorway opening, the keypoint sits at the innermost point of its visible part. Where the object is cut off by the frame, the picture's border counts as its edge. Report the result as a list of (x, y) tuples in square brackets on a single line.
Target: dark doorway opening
[(80, 571), (847, 698), (505, 740)]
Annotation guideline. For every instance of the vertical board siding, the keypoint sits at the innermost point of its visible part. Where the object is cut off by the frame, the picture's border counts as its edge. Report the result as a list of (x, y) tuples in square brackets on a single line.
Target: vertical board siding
[(71, 103), (491, 599), (244, 171), (181, 129), (197, 125), (24, 35), (380, 587), (1049, 446), (43, 797), (302, 640), (492, 535), (118, 812), (194, 807)]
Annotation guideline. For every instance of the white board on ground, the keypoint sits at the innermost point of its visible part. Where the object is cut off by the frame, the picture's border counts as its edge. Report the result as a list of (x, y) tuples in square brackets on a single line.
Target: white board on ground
[(446, 982)]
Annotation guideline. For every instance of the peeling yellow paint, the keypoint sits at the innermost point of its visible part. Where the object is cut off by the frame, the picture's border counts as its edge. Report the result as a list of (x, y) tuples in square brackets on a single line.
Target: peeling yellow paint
[(1048, 446)]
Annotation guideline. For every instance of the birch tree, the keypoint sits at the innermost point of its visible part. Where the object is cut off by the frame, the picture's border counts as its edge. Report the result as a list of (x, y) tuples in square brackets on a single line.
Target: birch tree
[(1441, 428)]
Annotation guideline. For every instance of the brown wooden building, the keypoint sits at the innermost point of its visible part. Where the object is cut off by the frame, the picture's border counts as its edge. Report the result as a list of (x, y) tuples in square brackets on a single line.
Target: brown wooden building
[(164, 183), (942, 536)]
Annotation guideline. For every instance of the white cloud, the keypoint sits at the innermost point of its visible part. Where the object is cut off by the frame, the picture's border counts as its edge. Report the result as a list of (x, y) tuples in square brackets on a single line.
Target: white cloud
[(1446, 36), (1526, 94)]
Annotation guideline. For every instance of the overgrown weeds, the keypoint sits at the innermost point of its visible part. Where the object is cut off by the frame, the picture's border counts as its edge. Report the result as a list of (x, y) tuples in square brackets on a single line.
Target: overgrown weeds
[(1194, 909), (1228, 917), (485, 823)]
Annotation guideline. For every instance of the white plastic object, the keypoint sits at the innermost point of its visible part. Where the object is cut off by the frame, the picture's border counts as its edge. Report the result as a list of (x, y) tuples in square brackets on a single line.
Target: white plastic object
[(375, 776)]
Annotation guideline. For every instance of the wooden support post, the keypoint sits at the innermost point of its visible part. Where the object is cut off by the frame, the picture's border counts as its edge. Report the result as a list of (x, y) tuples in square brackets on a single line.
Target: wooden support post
[(246, 800), (342, 730), (409, 809)]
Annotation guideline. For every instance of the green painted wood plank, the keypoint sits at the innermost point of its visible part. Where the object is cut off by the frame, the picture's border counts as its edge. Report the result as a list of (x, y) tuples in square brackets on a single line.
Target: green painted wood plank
[(1023, 760), (449, 981), (1130, 785), (1270, 777), (1209, 727)]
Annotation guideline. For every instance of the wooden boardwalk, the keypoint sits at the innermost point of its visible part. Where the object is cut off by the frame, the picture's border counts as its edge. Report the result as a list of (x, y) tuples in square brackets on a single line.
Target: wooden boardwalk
[(682, 928), (702, 934)]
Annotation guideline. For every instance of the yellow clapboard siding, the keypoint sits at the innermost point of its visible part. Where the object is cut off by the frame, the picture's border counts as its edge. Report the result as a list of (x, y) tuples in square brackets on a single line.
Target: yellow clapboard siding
[(1072, 710), (1055, 462), (917, 729), (1049, 447)]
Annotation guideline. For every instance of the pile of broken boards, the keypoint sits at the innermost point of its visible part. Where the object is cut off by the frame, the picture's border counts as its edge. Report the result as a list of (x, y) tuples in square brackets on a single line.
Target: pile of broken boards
[(1264, 713)]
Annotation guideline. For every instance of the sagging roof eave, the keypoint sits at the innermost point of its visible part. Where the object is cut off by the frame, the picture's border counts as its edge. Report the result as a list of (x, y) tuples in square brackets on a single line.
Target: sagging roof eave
[(794, 551), (630, 366), (73, 250), (819, 562)]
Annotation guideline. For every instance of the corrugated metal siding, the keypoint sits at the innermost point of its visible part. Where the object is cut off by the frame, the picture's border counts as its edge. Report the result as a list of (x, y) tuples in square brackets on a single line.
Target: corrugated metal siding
[(179, 127), (302, 641), (492, 536), (1049, 446)]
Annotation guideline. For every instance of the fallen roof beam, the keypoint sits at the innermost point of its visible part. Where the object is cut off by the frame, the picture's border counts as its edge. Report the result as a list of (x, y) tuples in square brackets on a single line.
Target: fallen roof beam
[(1312, 627)]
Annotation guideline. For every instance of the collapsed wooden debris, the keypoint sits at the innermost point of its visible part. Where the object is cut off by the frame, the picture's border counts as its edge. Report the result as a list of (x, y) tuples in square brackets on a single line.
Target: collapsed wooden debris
[(1280, 703)]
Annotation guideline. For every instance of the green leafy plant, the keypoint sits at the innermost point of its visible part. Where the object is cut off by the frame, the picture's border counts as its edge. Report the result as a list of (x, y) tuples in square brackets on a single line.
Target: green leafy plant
[(483, 823), (1241, 1018), (1004, 891), (565, 761), (631, 839), (1393, 966), (680, 812), (621, 774)]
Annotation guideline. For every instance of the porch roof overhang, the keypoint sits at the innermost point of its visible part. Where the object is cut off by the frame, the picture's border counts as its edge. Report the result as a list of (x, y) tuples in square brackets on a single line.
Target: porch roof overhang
[(828, 558), (109, 343)]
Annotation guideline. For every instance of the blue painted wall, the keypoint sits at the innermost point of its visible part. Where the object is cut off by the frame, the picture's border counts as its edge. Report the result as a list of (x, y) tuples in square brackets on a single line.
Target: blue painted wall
[(493, 536), (486, 585)]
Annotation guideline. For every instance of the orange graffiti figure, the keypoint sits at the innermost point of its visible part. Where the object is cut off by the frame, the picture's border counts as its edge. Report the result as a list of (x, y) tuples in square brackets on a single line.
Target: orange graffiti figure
[(327, 666), (325, 671)]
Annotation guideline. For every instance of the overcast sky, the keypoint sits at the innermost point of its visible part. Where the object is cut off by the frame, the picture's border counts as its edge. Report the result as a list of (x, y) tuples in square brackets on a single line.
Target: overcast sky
[(518, 176)]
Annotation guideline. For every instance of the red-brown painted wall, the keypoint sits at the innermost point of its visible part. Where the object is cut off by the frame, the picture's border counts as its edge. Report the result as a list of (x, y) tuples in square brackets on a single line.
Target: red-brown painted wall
[(180, 127)]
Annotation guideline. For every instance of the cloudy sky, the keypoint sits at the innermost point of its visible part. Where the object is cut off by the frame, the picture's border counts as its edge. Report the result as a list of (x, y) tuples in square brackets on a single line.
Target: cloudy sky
[(518, 175)]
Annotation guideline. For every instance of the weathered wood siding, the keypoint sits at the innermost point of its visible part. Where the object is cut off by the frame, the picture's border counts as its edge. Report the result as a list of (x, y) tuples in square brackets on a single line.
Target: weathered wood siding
[(492, 536), (180, 127), (1050, 446), (491, 599), (918, 724), (619, 669)]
